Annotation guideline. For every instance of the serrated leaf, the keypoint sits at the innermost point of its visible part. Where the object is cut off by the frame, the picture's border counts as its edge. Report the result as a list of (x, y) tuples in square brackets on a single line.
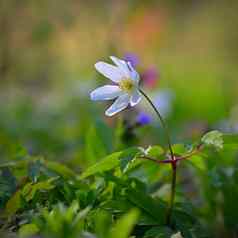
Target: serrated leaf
[(124, 225), (214, 139)]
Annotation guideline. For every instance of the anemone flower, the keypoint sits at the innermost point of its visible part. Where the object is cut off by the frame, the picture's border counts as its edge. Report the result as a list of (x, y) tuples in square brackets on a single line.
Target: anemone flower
[(125, 88)]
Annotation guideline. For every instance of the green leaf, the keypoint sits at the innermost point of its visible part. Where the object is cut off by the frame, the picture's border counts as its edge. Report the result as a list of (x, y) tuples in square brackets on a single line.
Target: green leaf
[(198, 162), (155, 151), (124, 225), (184, 222), (28, 230), (159, 232), (60, 169), (7, 185), (109, 162), (179, 149), (94, 147), (13, 204), (214, 139), (127, 157), (154, 208), (102, 220), (30, 189)]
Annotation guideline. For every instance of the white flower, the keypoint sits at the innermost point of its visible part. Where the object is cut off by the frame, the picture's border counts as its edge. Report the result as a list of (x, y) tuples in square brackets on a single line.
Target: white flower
[(126, 91)]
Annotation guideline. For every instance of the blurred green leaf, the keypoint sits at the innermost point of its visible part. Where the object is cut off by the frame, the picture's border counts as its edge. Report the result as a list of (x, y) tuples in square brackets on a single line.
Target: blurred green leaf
[(28, 230), (159, 232), (214, 139), (60, 169), (179, 149), (154, 208), (7, 185), (103, 220), (30, 189), (13, 204), (198, 162), (124, 225), (98, 141)]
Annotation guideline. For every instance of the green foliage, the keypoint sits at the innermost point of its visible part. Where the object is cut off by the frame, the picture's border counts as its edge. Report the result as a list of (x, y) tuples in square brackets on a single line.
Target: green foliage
[(124, 226), (53, 201), (159, 232), (112, 161), (213, 138), (7, 185), (219, 140), (65, 173), (155, 151), (95, 185), (28, 230)]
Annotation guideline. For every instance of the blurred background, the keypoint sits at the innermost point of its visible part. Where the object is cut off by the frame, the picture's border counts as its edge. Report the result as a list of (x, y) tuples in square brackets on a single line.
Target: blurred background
[(187, 55)]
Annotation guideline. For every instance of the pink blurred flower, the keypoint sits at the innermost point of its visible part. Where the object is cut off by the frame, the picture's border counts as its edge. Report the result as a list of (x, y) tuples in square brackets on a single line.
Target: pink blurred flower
[(150, 77)]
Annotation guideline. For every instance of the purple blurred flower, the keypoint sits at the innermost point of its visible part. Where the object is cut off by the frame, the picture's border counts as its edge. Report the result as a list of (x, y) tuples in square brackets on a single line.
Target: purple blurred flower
[(144, 118), (150, 76), (163, 100), (132, 58)]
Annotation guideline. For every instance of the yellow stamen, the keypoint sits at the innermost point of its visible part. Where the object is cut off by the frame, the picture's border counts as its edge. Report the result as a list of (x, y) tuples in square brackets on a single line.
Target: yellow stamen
[(126, 85)]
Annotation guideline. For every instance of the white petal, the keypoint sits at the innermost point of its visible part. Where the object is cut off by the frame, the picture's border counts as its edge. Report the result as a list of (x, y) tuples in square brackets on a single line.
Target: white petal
[(110, 71), (133, 74), (120, 104), (122, 66), (106, 92), (135, 98)]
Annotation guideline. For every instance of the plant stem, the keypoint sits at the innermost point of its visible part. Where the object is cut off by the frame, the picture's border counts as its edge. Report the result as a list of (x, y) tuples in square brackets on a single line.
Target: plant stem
[(194, 152), (161, 120), (172, 195), (156, 160), (173, 160)]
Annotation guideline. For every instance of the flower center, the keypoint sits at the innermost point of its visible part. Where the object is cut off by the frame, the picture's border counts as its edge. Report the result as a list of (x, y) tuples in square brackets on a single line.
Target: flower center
[(126, 85)]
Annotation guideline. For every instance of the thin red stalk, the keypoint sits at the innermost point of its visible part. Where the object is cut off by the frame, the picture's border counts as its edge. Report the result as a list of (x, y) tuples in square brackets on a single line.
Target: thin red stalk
[(173, 190)]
